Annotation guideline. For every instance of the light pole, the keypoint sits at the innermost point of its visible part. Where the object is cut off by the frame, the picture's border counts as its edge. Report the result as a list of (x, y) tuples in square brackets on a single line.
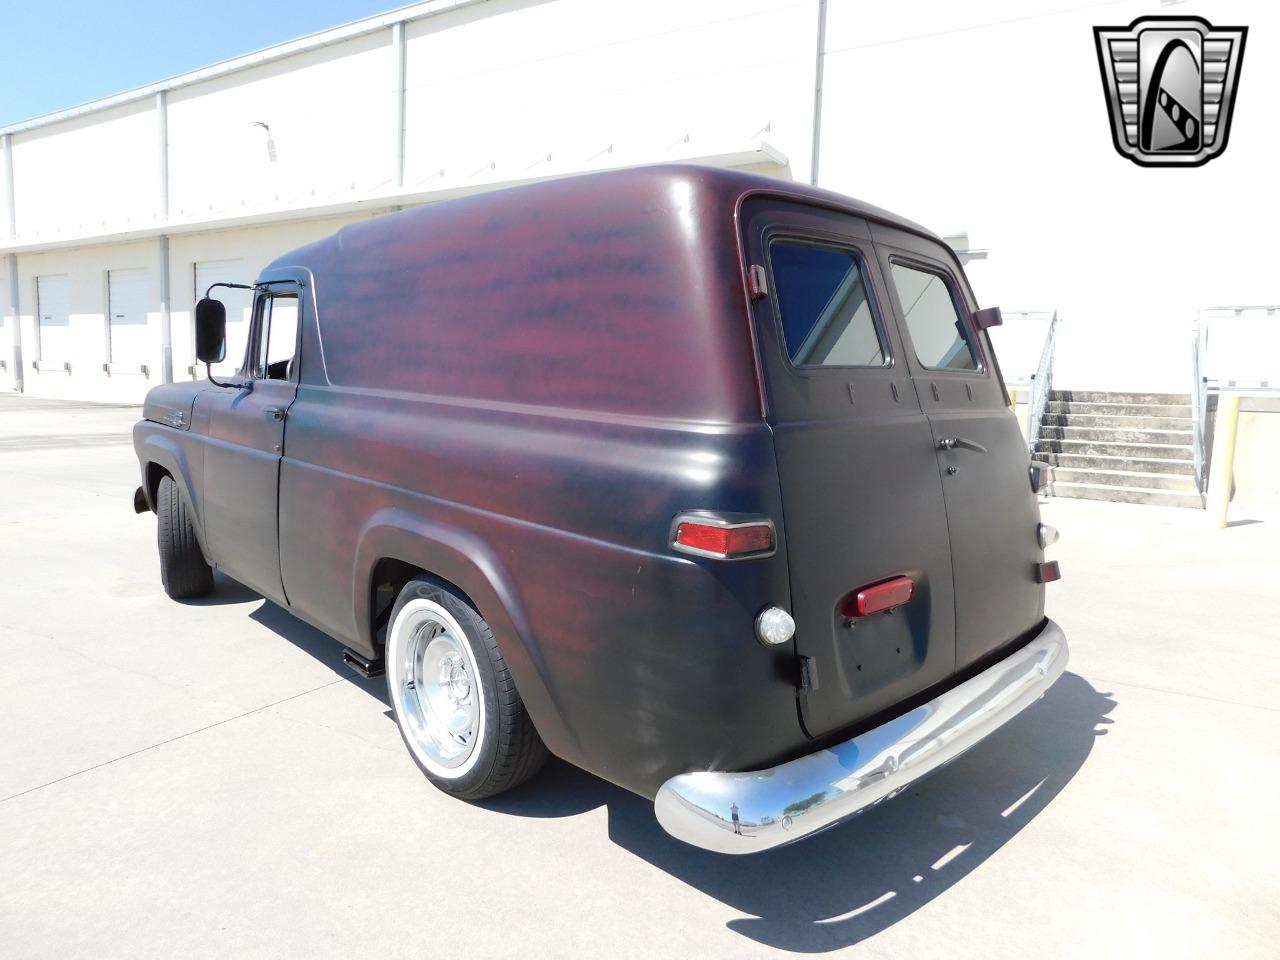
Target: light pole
[(820, 60)]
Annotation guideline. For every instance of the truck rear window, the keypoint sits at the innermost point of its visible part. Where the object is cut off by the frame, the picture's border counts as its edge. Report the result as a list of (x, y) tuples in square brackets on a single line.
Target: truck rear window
[(933, 322), (827, 318)]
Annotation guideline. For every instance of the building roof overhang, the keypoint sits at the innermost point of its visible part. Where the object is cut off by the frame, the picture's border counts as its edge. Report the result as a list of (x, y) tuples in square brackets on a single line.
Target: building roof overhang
[(759, 156)]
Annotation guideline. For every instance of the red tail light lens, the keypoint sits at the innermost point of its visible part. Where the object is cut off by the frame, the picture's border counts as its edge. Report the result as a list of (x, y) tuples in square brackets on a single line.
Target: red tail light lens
[(1048, 572), (878, 597), (721, 539)]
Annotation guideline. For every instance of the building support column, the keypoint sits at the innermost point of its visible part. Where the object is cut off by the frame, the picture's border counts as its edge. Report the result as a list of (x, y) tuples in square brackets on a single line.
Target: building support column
[(12, 224), (162, 136), (398, 53), (819, 63), (11, 230), (16, 320), (162, 213), (166, 321)]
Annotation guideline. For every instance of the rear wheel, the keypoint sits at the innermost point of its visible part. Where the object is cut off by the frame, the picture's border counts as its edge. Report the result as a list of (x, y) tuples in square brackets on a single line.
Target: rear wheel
[(183, 569), (453, 697)]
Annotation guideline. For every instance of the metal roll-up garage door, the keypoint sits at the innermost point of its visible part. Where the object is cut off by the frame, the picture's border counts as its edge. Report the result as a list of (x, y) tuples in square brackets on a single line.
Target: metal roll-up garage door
[(128, 342), (237, 303), (53, 319)]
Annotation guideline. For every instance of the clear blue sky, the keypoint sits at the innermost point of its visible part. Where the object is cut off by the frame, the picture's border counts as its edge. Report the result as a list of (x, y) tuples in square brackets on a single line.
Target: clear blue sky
[(61, 53)]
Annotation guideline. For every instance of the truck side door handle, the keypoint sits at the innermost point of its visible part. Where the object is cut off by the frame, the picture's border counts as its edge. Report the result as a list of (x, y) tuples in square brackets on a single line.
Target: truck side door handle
[(274, 413), (951, 443)]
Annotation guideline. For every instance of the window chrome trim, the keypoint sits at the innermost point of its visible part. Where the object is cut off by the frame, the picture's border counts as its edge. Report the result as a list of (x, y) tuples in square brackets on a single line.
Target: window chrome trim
[(257, 349)]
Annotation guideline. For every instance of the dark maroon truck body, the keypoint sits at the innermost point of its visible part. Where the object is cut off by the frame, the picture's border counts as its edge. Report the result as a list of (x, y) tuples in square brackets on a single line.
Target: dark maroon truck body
[(518, 392)]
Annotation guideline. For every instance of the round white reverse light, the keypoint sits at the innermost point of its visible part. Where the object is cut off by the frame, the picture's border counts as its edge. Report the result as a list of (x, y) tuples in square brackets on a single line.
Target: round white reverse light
[(1047, 535), (774, 626)]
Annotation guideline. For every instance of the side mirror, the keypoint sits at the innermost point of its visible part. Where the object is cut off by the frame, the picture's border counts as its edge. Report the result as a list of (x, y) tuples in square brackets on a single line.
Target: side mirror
[(987, 317), (211, 331)]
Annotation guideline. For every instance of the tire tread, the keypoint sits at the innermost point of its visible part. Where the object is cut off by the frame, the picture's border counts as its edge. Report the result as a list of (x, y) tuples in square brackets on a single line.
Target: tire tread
[(184, 572)]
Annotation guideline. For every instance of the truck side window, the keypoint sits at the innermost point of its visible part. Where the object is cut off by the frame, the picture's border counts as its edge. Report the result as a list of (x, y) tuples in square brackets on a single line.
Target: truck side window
[(827, 318), (937, 331), (278, 336)]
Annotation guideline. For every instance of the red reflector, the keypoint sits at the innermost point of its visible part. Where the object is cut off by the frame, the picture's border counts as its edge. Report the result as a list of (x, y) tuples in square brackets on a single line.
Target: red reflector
[(1048, 572), (879, 597), (710, 539)]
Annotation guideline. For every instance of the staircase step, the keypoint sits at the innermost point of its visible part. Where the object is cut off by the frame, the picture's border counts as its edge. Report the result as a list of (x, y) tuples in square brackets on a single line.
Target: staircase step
[(1116, 436), (1104, 448), (1182, 410), (1116, 423), (1084, 461), (1087, 491), (1125, 478), (1104, 396)]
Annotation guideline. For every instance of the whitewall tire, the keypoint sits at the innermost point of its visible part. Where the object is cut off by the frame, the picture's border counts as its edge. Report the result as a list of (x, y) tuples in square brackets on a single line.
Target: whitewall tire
[(452, 695)]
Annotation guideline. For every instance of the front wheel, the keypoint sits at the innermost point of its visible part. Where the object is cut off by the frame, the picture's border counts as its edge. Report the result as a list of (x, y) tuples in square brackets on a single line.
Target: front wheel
[(453, 697), (184, 572)]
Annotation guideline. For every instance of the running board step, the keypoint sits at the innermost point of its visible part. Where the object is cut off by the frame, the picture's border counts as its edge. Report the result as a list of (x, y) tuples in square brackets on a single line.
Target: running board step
[(362, 665)]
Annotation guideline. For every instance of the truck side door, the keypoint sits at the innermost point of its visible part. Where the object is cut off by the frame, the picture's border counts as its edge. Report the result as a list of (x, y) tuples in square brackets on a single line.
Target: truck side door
[(246, 429)]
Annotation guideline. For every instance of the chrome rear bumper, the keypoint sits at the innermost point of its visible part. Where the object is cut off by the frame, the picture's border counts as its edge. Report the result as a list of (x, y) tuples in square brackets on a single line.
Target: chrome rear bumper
[(747, 812)]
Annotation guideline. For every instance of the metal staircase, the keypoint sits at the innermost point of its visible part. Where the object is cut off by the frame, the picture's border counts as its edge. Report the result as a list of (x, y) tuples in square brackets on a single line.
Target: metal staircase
[(1127, 447)]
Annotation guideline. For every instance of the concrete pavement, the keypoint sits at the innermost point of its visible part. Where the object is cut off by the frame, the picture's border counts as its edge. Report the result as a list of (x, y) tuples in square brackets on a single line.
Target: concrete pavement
[(207, 780)]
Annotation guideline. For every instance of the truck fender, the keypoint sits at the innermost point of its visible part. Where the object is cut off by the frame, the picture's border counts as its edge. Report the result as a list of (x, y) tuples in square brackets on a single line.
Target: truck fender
[(153, 446), (468, 563)]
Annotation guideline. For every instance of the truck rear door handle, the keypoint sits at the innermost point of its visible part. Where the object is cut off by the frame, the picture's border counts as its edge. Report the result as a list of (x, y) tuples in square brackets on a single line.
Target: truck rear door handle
[(274, 413), (951, 443)]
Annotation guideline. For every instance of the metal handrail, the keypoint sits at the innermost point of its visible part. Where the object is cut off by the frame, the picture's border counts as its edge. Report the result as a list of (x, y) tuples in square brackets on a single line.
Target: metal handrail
[(1042, 383), (1199, 403)]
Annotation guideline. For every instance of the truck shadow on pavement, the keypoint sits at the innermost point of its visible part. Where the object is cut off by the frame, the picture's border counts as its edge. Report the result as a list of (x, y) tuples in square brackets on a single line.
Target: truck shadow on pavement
[(853, 881), (865, 875), (281, 622)]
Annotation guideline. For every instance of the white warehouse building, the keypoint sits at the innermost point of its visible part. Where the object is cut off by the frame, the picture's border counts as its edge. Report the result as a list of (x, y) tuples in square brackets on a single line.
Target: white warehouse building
[(116, 214)]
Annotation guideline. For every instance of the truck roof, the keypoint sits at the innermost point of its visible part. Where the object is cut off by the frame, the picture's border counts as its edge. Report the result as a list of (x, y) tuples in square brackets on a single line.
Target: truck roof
[(619, 292), (638, 182)]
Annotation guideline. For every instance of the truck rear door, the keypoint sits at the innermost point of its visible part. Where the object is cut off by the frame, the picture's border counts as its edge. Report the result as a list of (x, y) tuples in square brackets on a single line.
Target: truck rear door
[(991, 510), (862, 494)]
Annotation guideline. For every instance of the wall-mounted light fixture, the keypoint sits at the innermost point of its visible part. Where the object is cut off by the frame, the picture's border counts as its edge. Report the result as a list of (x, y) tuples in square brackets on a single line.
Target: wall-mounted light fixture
[(271, 144)]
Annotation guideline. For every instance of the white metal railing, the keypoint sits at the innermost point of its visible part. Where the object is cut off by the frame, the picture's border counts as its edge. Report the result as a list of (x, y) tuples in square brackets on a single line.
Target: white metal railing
[(1232, 348), (1021, 346), (1042, 383), (1199, 402)]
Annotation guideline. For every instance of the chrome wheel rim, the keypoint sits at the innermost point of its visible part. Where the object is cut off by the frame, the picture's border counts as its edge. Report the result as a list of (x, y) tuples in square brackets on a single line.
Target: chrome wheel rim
[(437, 692)]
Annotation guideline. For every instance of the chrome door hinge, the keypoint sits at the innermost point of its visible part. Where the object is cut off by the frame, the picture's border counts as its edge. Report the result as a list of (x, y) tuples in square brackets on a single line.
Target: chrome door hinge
[(756, 282)]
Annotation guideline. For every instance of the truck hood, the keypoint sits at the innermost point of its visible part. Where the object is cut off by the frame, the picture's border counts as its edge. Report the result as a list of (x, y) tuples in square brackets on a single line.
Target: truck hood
[(171, 403)]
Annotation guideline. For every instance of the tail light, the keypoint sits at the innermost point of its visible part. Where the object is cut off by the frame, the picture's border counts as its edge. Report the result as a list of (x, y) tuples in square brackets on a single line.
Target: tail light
[(723, 536), (1048, 572), (878, 597)]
